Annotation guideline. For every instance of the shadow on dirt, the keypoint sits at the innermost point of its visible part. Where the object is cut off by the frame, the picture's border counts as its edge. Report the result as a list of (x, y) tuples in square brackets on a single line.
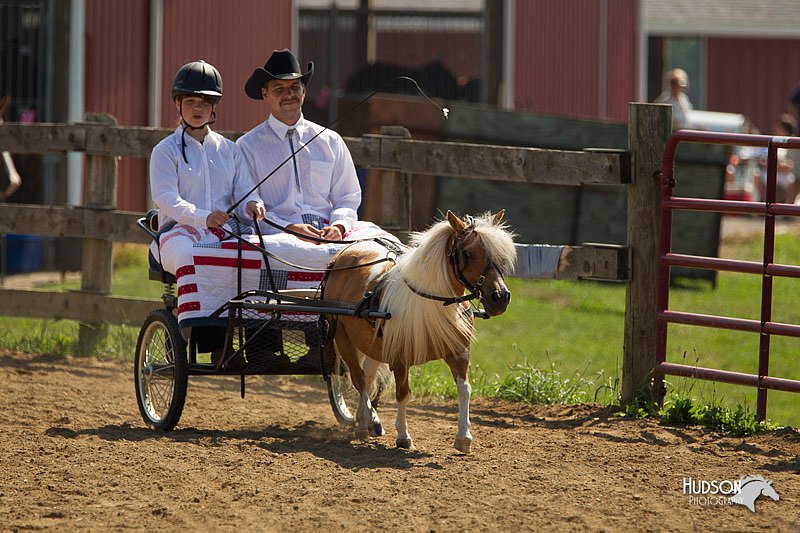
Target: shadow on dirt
[(325, 442), (78, 366)]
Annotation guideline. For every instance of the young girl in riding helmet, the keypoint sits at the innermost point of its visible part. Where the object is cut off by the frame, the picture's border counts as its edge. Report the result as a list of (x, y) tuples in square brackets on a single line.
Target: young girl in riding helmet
[(196, 174)]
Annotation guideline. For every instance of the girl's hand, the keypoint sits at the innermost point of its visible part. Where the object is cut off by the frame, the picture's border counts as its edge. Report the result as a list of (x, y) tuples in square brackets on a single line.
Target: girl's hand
[(217, 219)]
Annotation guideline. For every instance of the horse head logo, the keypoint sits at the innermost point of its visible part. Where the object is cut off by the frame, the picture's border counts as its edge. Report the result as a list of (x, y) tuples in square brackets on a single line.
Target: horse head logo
[(750, 488)]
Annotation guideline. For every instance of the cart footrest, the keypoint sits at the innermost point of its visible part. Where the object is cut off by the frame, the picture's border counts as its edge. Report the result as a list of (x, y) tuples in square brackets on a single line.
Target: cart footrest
[(269, 342)]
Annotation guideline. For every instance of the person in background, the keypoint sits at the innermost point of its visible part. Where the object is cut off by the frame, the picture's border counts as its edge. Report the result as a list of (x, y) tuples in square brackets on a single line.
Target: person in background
[(790, 125), (676, 96), (793, 107), (786, 182), (196, 174)]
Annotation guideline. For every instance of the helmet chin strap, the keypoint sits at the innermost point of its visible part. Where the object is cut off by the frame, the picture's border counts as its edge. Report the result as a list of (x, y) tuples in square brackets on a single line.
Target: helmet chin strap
[(187, 126)]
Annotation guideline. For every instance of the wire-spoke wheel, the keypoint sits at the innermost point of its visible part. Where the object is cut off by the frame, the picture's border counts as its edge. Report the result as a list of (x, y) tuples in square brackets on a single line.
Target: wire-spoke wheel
[(161, 371), (343, 395)]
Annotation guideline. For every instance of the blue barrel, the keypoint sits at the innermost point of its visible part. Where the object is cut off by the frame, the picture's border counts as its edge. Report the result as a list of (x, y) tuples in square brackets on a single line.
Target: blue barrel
[(23, 253)]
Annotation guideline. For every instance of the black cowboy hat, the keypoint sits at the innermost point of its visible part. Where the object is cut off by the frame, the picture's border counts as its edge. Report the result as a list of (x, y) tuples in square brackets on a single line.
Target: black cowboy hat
[(281, 65)]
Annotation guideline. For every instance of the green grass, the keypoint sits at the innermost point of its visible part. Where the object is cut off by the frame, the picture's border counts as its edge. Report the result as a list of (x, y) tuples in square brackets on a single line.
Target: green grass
[(61, 336), (577, 328), (558, 341)]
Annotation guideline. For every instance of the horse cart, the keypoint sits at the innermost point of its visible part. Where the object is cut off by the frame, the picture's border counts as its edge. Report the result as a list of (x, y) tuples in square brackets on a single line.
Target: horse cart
[(370, 280), (256, 332)]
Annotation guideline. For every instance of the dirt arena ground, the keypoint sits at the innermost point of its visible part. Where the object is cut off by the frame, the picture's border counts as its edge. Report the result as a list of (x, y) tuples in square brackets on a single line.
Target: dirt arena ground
[(74, 454)]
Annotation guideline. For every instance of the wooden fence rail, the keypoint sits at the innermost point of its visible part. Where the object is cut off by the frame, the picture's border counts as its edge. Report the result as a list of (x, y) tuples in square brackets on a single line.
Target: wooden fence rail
[(502, 163), (100, 224)]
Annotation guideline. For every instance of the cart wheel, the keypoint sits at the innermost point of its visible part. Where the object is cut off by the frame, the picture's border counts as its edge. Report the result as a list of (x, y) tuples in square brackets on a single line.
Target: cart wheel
[(160, 371), (343, 395)]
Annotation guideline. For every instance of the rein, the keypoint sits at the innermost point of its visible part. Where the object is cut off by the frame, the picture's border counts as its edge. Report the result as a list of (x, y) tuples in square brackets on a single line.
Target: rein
[(318, 240), (393, 250), (455, 256), (445, 112)]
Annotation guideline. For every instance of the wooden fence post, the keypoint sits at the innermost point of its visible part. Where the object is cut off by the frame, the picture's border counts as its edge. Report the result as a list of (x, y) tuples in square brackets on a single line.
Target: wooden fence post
[(649, 127), (396, 192), (96, 259)]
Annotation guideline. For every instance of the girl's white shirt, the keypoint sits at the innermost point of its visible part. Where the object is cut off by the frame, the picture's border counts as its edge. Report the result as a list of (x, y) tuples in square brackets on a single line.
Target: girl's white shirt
[(215, 177)]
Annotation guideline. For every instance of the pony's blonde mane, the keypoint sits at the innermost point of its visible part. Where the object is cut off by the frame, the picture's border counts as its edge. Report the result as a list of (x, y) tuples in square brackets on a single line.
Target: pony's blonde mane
[(422, 329)]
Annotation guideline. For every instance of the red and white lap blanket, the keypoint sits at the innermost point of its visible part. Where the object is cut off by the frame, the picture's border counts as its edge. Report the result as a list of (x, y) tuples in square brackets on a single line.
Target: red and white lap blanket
[(207, 274)]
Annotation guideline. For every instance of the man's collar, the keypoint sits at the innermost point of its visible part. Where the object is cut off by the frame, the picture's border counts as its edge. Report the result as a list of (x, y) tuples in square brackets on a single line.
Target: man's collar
[(280, 128)]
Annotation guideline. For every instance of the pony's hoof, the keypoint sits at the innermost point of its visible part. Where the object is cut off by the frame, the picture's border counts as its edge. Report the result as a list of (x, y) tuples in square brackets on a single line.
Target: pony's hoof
[(406, 444), (463, 444), (362, 435), (376, 430)]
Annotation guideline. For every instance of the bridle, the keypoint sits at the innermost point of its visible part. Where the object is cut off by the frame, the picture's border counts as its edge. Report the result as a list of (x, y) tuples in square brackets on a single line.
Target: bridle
[(456, 256)]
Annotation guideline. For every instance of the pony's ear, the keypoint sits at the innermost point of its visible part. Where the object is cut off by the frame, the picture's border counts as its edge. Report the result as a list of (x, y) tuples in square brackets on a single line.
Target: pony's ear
[(498, 217), (456, 223)]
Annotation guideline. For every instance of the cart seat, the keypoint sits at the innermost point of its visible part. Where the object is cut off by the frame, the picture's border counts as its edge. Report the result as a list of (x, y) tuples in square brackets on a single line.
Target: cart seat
[(149, 223), (157, 273)]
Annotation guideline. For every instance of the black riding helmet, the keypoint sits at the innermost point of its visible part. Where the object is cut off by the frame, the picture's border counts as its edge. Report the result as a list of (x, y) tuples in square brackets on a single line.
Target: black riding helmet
[(198, 78)]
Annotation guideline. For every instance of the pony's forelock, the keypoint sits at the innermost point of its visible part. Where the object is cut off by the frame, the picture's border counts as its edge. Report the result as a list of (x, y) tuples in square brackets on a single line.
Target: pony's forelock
[(497, 240)]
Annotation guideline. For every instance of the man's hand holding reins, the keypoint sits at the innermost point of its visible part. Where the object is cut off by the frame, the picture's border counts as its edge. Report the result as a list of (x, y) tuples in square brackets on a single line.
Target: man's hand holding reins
[(306, 229), (255, 210), (333, 233)]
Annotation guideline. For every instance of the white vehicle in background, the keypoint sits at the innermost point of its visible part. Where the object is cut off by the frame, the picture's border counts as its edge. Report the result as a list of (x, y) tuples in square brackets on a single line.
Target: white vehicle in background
[(716, 121)]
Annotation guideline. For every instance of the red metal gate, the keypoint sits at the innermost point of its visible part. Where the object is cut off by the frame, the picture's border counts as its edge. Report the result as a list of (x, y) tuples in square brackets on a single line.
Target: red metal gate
[(765, 327)]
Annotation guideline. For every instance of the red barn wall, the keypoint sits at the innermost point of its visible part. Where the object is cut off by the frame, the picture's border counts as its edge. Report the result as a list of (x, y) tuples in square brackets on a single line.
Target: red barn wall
[(557, 57), (623, 58), (752, 76), (234, 37), (116, 80)]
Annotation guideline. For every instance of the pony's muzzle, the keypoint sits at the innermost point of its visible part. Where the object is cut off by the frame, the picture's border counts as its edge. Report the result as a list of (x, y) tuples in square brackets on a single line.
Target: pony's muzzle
[(501, 297), (497, 302)]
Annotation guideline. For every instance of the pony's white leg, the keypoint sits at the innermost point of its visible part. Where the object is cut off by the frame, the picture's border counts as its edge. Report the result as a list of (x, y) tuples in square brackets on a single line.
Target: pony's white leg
[(459, 367), (404, 439), (463, 442), (370, 371)]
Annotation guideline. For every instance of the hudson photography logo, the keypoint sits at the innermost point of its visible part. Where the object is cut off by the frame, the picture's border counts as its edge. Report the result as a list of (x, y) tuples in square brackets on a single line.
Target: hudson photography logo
[(744, 491)]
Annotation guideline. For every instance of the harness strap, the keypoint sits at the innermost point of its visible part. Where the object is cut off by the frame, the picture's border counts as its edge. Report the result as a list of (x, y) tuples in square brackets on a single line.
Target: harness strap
[(371, 302), (372, 298), (380, 240), (444, 299)]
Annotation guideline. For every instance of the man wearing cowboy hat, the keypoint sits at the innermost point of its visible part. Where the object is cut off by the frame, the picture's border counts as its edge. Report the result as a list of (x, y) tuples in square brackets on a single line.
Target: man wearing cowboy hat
[(316, 191)]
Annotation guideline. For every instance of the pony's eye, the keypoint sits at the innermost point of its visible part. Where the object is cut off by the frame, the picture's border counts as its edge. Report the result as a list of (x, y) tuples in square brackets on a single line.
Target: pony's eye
[(467, 256)]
